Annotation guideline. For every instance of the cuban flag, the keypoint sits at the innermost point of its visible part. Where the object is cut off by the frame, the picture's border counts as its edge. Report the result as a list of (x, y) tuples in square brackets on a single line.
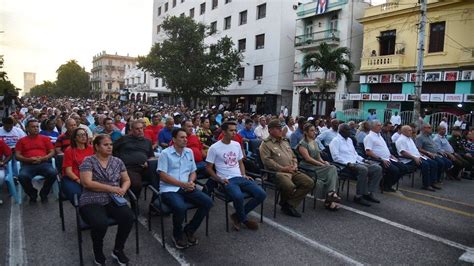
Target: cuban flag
[(321, 6)]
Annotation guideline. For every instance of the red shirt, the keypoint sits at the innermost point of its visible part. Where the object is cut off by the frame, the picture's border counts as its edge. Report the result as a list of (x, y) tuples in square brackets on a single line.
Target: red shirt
[(149, 134), (34, 146), (156, 129), (237, 138), (73, 157), (63, 141), (5, 151), (119, 125)]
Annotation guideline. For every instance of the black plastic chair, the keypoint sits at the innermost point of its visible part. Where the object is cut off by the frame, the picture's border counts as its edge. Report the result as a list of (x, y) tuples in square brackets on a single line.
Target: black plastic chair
[(160, 207), (83, 226), (61, 196)]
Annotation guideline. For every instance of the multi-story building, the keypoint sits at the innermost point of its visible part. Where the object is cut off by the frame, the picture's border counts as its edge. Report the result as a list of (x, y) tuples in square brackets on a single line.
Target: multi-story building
[(108, 73), (262, 30), (29, 81), (389, 57), (141, 86), (333, 22)]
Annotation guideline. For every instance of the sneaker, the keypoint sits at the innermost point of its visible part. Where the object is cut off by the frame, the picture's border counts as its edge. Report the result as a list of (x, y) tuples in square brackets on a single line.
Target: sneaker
[(192, 240), (360, 200), (99, 258), (120, 257), (370, 197), (252, 225), (180, 243)]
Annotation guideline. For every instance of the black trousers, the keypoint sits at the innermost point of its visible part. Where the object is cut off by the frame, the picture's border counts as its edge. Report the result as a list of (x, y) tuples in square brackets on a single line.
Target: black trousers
[(393, 173), (136, 174), (97, 215)]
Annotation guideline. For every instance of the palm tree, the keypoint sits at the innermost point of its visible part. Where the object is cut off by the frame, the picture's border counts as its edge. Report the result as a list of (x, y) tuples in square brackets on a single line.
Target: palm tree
[(329, 60)]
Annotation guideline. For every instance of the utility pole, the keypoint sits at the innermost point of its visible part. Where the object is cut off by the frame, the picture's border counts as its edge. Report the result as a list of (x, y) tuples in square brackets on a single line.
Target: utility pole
[(419, 62)]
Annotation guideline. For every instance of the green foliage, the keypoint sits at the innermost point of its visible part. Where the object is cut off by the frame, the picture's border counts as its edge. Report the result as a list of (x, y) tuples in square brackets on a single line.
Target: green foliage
[(47, 88), (7, 89), (190, 68), (72, 80), (329, 60), (3, 74)]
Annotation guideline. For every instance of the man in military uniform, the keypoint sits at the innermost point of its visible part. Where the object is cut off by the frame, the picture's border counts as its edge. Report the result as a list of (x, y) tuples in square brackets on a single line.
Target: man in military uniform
[(278, 156)]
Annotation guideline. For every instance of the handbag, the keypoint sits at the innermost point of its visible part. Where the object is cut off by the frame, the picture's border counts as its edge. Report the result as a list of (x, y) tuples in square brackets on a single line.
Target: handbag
[(118, 200)]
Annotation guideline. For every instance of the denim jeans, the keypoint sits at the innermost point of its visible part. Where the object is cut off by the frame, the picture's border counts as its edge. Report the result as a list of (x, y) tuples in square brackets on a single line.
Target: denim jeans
[(393, 173), (429, 171), (70, 188), (443, 165), (28, 171), (176, 202), (237, 185)]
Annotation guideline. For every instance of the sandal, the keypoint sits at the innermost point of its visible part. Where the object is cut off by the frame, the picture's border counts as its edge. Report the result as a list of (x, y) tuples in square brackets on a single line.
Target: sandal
[(331, 206), (333, 197)]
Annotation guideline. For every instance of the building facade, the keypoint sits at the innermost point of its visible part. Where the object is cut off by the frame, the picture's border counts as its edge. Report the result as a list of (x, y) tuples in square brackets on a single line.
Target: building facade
[(108, 72), (387, 80), (333, 22), (262, 30), (29, 81)]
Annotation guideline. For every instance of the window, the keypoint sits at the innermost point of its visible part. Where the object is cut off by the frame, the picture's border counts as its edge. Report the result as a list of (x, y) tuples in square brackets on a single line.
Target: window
[(243, 17), (214, 4), (159, 10), (227, 22), (158, 29), (110, 62), (191, 12), (240, 73), (261, 11), (213, 27), (258, 72), (260, 41), (174, 3), (156, 83), (203, 8), (241, 45), (387, 42), (109, 86), (182, 15), (436, 37), (166, 7), (182, 1), (163, 83), (228, 1)]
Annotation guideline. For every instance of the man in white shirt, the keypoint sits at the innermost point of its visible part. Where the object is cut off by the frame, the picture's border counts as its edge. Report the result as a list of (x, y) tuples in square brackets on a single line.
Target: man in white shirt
[(10, 135), (327, 136), (177, 171), (396, 135), (376, 148), (368, 175), (443, 123), (444, 146), (226, 156), (261, 131), (396, 119), (406, 147)]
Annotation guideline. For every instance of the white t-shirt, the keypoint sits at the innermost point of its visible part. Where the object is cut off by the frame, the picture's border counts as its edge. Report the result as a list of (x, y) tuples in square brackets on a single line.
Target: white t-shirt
[(407, 144), (377, 145), (12, 137), (226, 158)]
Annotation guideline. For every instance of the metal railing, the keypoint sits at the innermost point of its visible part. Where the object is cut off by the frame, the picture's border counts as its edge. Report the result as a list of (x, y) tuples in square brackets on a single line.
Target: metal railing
[(317, 37), (407, 117)]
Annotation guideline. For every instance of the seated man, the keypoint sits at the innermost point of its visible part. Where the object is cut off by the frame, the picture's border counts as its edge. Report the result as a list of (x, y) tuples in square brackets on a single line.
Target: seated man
[(277, 155), (64, 140), (368, 175), (177, 172), (445, 147), (406, 147), (35, 151), (165, 135), (327, 136), (376, 148), (460, 146), (247, 132), (134, 150), (298, 134), (109, 129), (426, 146), (226, 155), (195, 145)]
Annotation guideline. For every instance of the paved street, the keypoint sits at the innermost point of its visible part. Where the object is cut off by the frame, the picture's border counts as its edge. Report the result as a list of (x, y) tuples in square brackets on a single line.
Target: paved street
[(408, 227)]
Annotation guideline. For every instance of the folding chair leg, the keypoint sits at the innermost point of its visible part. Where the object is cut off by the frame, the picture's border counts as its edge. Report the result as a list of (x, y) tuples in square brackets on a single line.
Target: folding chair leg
[(79, 241), (207, 224), (261, 212), (61, 214), (162, 231), (348, 183), (413, 180), (136, 236), (226, 216), (304, 203), (275, 204), (149, 220)]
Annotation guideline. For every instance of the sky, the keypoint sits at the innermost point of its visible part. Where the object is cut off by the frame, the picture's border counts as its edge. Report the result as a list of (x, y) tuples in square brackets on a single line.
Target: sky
[(40, 35)]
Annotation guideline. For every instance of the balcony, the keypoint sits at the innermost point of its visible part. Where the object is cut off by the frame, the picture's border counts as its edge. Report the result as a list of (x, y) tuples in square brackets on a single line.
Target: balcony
[(310, 79), (312, 40), (385, 62)]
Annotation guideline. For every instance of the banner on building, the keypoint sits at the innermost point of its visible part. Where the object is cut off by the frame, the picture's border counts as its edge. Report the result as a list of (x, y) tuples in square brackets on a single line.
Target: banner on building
[(425, 97), (398, 97), (469, 98), (453, 98), (355, 97), (376, 97), (436, 97)]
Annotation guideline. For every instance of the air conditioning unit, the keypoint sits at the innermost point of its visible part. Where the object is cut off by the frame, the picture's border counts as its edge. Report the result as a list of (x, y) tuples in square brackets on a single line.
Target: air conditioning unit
[(239, 83), (240, 79), (259, 81), (259, 77)]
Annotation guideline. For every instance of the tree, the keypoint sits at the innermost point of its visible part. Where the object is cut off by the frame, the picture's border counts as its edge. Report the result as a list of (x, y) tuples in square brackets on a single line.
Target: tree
[(329, 60), (3, 74), (47, 88), (190, 68), (7, 89), (72, 80)]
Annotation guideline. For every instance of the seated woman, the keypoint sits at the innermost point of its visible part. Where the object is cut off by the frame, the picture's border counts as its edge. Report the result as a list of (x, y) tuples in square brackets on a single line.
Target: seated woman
[(73, 157), (105, 180), (326, 174)]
